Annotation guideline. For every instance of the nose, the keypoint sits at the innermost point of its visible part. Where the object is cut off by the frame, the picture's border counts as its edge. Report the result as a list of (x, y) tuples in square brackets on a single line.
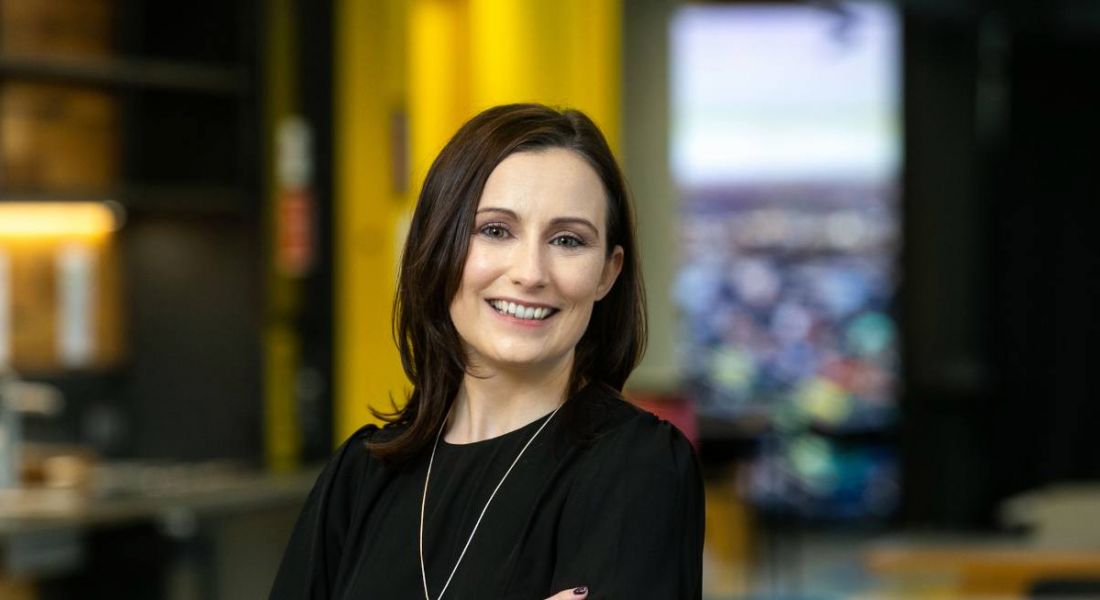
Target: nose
[(528, 268)]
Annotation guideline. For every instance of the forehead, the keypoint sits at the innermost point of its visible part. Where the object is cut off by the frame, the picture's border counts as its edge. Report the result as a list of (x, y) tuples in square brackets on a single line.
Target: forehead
[(553, 182)]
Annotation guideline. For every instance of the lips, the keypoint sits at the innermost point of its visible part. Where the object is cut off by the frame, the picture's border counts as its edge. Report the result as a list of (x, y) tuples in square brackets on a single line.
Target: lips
[(522, 311)]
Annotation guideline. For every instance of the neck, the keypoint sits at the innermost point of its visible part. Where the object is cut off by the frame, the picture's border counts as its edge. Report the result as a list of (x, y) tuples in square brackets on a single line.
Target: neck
[(490, 404)]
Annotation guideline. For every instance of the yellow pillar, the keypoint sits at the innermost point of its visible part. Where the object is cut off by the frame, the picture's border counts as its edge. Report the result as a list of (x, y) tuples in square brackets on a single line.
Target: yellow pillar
[(281, 344), (370, 204), (439, 78), (468, 55), (565, 53)]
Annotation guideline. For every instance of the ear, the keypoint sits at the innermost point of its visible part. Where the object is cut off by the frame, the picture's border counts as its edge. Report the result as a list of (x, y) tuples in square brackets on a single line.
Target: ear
[(611, 268)]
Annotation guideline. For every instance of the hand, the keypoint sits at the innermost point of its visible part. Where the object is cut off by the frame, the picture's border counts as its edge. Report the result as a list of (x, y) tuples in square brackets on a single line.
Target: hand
[(573, 594)]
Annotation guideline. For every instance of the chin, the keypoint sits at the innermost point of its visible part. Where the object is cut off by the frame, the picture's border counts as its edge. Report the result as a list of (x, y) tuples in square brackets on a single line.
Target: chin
[(521, 361)]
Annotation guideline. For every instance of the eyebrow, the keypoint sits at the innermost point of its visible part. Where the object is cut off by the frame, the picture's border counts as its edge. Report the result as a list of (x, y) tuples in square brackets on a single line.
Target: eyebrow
[(554, 221)]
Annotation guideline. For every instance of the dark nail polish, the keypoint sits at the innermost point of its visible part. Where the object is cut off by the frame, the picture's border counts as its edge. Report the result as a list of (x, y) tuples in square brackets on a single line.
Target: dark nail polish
[(580, 590)]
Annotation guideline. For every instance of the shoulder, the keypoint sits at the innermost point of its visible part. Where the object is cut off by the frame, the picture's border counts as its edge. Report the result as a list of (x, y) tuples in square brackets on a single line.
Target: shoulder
[(638, 466), (627, 437), (372, 432), (353, 457), (352, 467)]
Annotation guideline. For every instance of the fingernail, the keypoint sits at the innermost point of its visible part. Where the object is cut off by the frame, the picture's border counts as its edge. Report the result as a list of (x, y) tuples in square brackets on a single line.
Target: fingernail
[(579, 591)]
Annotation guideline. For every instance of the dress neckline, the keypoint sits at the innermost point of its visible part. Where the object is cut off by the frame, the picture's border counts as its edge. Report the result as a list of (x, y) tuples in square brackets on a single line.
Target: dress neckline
[(528, 428)]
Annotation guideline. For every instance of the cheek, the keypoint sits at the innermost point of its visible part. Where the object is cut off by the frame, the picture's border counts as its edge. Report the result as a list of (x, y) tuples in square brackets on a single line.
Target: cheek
[(474, 276), (480, 270), (464, 300), (580, 282)]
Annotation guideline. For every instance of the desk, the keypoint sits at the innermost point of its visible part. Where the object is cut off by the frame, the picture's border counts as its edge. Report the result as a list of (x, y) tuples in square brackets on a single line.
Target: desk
[(978, 569), (243, 521)]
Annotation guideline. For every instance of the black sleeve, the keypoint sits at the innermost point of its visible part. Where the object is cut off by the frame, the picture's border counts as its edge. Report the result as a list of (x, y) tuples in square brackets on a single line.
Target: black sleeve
[(633, 524), (313, 554)]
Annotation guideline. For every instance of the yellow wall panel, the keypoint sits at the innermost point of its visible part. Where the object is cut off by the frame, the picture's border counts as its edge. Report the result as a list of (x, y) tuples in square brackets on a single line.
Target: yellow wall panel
[(370, 204), (564, 53), (439, 78)]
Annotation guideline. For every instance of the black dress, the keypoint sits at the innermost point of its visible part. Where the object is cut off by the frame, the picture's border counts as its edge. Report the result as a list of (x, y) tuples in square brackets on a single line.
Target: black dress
[(608, 496)]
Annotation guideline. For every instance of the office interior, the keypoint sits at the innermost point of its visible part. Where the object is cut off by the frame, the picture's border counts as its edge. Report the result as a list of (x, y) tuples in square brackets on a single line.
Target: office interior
[(863, 228)]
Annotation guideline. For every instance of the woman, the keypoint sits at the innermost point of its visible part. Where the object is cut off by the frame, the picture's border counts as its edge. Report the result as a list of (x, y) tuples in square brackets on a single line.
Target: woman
[(515, 470)]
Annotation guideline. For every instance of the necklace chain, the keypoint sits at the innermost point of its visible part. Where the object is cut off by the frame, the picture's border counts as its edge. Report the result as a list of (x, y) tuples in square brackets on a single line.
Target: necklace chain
[(424, 501)]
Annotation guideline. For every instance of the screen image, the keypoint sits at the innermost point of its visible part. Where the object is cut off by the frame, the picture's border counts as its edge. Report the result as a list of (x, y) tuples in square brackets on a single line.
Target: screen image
[(786, 151)]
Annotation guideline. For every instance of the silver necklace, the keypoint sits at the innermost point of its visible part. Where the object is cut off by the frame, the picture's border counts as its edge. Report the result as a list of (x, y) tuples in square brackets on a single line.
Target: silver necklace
[(424, 500)]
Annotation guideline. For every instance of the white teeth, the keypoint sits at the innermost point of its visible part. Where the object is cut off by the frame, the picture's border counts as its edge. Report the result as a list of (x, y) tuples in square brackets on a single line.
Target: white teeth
[(519, 311)]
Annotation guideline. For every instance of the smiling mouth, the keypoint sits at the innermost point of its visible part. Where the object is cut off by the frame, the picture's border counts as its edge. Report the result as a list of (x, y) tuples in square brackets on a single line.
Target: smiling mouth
[(519, 311)]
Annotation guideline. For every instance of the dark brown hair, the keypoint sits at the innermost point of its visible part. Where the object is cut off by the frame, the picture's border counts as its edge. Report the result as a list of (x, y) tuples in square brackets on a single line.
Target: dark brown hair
[(435, 256)]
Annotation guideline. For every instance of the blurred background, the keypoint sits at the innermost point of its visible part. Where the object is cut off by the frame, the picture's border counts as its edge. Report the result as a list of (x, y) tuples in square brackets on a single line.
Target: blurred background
[(870, 269)]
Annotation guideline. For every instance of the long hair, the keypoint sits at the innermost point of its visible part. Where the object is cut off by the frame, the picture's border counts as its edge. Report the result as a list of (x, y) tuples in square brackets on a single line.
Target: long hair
[(434, 258)]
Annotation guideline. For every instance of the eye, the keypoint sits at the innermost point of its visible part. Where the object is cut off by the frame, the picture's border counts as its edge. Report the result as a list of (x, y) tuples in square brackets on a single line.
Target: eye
[(568, 241), (495, 231)]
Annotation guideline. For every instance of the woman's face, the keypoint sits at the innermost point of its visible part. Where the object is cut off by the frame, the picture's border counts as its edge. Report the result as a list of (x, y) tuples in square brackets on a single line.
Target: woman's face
[(537, 263)]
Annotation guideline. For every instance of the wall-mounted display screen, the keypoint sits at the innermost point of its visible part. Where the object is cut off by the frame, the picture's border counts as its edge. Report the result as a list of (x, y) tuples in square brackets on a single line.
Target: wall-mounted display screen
[(786, 149)]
